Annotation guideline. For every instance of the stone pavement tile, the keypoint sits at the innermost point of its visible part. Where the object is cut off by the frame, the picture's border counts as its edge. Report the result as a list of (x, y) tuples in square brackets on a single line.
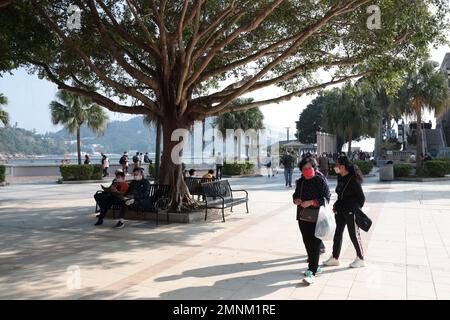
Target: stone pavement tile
[(417, 261), (302, 292), (442, 291), (421, 289), (441, 277), (139, 292), (325, 296), (419, 274), (330, 289), (362, 290), (419, 298), (377, 277), (256, 291)]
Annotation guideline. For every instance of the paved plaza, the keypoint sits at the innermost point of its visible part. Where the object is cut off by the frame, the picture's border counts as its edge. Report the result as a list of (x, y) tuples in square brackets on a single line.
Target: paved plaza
[(48, 237)]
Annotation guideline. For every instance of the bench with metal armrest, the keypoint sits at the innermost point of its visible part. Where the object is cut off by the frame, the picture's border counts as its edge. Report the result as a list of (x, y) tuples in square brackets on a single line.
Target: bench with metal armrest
[(219, 195)]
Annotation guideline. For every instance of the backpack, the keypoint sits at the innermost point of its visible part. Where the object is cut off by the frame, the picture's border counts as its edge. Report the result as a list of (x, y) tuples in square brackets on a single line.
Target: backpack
[(122, 160), (135, 159)]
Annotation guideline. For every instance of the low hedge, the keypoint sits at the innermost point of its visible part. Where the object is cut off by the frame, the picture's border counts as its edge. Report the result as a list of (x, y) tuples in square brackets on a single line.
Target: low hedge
[(402, 169), (446, 163), (2, 173), (238, 168), (81, 172), (365, 166), (152, 170), (435, 168)]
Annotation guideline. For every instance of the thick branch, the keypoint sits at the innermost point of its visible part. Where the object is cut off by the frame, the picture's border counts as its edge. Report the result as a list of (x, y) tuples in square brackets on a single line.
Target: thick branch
[(301, 39), (96, 97), (92, 66), (114, 50), (231, 108)]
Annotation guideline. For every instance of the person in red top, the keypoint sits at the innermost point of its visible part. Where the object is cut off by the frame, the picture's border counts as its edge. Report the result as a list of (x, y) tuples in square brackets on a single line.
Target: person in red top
[(311, 192), (115, 196)]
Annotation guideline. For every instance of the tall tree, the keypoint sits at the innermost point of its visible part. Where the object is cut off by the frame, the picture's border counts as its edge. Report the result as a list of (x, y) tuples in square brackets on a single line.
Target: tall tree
[(351, 112), (4, 117), (73, 110), (310, 121), (425, 88), (167, 58)]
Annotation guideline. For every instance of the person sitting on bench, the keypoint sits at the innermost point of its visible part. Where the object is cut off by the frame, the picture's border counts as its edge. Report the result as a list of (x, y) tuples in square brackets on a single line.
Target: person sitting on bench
[(114, 196), (139, 191)]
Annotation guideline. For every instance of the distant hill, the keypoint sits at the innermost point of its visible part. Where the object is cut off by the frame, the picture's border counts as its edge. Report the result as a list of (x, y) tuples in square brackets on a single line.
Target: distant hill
[(15, 140), (119, 136)]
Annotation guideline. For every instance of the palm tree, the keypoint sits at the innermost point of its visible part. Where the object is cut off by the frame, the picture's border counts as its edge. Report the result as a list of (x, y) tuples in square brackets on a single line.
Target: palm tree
[(423, 89), (72, 111), (4, 117), (351, 112)]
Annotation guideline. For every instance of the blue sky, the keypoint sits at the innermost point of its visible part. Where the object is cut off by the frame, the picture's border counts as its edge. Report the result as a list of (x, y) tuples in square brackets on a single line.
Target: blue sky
[(29, 98)]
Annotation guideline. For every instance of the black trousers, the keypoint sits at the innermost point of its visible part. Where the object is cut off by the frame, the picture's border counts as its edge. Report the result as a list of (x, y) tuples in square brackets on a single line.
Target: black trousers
[(106, 200), (219, 172), (312, 244), (342, 220)]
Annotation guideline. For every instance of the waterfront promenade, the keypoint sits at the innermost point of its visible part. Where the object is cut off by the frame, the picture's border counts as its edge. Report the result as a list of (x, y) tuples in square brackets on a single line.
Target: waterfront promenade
[(48, 239)]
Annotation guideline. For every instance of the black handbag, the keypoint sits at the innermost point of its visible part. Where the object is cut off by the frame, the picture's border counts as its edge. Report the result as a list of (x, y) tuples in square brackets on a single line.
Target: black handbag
[(362, 220), (307, 214)]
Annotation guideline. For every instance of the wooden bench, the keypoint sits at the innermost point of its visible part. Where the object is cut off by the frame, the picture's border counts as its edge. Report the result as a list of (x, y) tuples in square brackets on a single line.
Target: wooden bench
[(195, 185), (219, 195), (158, 198)]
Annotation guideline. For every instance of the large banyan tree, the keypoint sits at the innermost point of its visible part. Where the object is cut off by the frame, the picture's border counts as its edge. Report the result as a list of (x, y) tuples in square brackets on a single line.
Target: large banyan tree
[(168, 59)]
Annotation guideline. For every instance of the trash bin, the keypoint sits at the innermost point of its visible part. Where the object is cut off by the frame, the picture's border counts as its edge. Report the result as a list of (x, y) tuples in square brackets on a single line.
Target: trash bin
[(387, 171)]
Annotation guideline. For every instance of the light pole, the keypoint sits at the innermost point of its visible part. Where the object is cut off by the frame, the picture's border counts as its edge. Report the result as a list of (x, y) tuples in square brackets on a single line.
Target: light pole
[(213, 139), (287, 133)]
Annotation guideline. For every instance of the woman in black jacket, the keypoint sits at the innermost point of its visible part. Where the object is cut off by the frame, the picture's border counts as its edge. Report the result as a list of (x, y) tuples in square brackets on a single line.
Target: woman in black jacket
[(311, 192), (350, 197)]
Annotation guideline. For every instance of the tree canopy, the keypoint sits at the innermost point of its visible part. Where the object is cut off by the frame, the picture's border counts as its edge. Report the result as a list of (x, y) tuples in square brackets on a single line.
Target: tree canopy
[(310, 121)]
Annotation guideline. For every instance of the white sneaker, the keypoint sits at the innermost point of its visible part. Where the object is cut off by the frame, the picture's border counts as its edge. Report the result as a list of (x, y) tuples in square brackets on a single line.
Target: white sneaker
[(358, 263), (309, 278), (331, 262)]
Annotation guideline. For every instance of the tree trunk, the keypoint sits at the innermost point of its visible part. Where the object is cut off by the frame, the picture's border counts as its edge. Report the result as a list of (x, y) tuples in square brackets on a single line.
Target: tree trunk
[(79, 145), (378, 140), (349, 149), (419, 162), (339, 143), (157, 150), (171, 173)]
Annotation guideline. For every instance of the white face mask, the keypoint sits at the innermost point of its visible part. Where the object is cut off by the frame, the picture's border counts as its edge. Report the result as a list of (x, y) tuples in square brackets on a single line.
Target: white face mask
[(337, 170), (137, 178)]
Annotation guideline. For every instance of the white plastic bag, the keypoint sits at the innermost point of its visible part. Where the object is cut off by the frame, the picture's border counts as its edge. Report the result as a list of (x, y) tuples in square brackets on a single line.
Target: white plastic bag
[(326, 223)]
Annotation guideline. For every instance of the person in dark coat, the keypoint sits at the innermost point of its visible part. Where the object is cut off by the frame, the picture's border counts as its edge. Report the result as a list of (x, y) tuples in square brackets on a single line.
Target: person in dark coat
[(350, 198), (311, 192)]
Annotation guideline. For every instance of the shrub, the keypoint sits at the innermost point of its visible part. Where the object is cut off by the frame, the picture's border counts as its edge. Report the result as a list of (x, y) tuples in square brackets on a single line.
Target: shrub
[(365, 166), (435, 168), (81, 172), (238, 168), (97, 172), (402, 170), (446, 163), (2, 173), (152, 170)]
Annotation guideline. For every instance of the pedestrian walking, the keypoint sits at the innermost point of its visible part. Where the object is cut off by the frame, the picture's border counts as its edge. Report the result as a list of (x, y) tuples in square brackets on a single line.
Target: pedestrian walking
[(350, 198), (311, 192)]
